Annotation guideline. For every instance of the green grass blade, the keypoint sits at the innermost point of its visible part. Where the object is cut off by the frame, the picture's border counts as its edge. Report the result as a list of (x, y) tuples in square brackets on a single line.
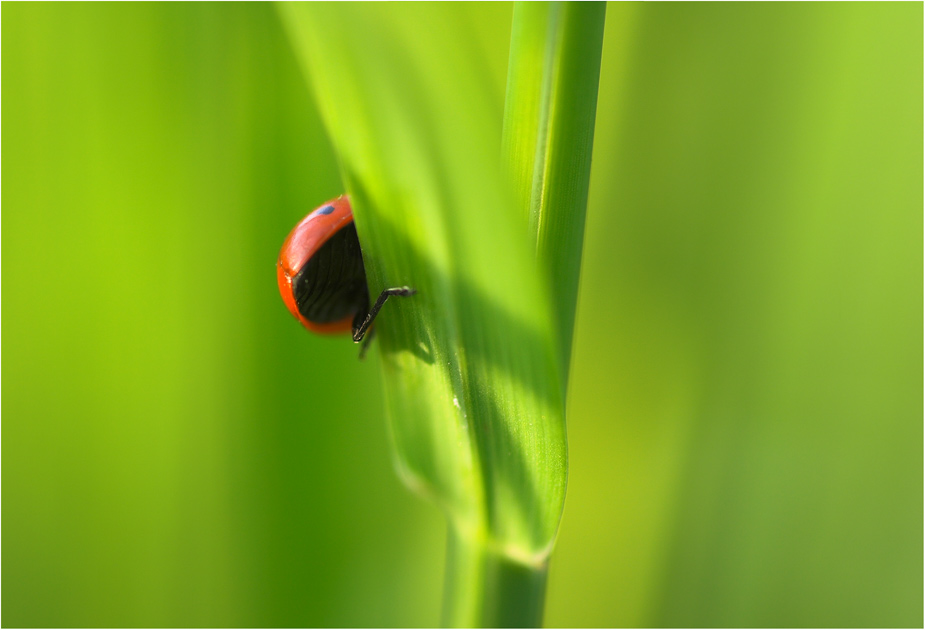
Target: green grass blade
[(548, 136), (471, 378), (474, 364)]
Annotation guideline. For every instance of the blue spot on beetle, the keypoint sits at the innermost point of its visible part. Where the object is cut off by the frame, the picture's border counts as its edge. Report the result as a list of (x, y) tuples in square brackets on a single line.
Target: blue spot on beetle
[(325, 210)]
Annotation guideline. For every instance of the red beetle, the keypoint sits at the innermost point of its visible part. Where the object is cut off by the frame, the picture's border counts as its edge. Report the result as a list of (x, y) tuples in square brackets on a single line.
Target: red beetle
[(321, 275)]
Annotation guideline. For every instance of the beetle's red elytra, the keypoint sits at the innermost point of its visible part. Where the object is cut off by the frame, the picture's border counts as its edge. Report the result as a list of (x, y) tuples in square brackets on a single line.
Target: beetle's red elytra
[(321, 276)]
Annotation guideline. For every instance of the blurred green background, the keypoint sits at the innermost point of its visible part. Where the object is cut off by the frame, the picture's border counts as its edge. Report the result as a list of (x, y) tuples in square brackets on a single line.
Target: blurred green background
[(745, 412)]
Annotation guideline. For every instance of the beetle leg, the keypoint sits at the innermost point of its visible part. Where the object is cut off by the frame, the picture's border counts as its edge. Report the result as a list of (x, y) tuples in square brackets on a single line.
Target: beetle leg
[(366, 341), (360, 330)]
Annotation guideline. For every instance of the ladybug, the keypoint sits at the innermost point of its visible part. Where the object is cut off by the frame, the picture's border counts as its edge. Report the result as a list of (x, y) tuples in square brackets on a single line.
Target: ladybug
[(321, 275)]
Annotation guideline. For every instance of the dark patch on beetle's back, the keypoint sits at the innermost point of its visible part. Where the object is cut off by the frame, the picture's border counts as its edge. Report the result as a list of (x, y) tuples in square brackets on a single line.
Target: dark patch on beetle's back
[(331, 285)]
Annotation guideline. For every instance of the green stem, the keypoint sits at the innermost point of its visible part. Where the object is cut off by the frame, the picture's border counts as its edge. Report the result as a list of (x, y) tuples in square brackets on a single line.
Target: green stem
[(548, 136), (485, 589)]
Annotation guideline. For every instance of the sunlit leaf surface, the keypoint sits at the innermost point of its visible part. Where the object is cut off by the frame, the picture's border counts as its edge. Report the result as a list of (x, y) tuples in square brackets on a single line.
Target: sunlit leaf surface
[(471, 379)]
